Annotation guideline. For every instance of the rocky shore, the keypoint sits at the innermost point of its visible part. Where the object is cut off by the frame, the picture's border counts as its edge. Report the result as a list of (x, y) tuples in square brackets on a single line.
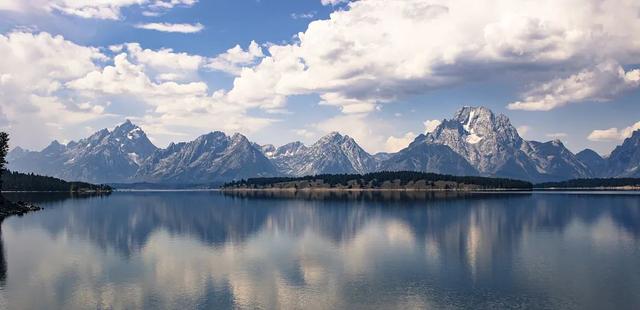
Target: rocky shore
[(9, 208)]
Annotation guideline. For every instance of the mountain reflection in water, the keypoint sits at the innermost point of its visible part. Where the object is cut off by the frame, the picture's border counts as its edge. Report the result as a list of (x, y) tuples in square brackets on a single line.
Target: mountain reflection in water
[(325, 250)]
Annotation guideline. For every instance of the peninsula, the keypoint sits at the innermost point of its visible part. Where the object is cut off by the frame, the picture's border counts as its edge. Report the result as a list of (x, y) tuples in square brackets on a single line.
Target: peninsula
[(401, 180)]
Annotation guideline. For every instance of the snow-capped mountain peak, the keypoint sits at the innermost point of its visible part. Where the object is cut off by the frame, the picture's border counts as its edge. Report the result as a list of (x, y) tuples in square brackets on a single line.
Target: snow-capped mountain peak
[(492, 145), (474, 141)]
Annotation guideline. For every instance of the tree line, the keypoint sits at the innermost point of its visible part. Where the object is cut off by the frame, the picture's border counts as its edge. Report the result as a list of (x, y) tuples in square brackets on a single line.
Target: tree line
[(376, 179), (16, 181), (592, 183)]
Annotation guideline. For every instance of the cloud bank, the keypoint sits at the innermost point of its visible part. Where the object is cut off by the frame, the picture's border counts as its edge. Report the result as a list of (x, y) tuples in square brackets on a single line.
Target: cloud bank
[(377, 51), (367, 54)]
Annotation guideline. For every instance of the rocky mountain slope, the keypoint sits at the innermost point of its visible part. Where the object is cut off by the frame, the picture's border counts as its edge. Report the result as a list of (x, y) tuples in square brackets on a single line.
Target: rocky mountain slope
[(424, 157), (624, 161), (493, 147), (209, 158), (593, 161), (105, 156), (475, 142), (333, 153)]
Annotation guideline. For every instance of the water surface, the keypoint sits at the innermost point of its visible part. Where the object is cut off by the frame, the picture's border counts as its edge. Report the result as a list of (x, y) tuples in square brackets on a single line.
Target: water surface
[(172, 250)]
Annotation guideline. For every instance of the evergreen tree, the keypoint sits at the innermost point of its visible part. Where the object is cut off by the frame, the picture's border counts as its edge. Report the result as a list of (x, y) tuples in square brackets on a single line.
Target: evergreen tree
[(4, 149)]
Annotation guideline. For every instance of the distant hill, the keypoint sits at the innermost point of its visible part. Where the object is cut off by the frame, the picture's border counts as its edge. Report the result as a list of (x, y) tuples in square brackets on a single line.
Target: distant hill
[(631, 183), (16, 181), (381, 180)]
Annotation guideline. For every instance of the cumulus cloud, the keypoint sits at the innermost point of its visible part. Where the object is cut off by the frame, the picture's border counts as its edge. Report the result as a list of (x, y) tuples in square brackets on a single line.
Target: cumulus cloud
[(125, 77), (613, 134), (235, 58), (168, 27), (164, 64), (49, 85), (394, 144), (175, 109), (600, 83), (369, 53), (34, 68)]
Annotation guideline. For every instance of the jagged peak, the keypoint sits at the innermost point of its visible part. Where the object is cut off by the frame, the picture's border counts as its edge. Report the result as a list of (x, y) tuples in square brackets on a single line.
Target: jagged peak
[(465, 113), (238, 137), (292, 145), (55, 143), (125, 128), (214, 135), (334, 134), (289, 149), (331, 137), (54, 146)]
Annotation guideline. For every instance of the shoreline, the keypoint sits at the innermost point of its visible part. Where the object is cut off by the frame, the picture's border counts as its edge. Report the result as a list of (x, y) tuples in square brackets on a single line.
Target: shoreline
[(9, 208), (556, 189), (365, 190)]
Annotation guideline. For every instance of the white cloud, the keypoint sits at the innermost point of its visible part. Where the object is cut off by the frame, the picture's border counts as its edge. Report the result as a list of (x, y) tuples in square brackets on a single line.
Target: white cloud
[(165, 64), (170, 4), (394, 144), (168, 27), (431, 125), (524, 130), (348, 105), (308, 15), (90, 8), (371, 53), (304, 133), (50, 88), (175, 110), (125, 77), (33, 70), (613, 134), (333, 2), (98, 9), (235, 58), (600, 83)]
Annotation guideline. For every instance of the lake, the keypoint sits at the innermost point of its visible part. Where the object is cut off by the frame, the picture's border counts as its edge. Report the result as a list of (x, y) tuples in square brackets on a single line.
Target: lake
[(211, 250)]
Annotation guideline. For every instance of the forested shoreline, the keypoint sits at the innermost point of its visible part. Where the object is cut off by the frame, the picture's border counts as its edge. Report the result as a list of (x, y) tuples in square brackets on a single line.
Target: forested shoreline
[(381, 180), (599, 183), (23, 182), (409, 180)]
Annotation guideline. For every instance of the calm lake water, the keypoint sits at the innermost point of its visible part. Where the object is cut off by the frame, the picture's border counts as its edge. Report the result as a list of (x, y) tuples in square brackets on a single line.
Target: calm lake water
[(209, 250)]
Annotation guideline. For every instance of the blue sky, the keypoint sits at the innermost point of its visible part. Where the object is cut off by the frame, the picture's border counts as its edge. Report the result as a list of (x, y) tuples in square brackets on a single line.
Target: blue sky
[(373, 69)]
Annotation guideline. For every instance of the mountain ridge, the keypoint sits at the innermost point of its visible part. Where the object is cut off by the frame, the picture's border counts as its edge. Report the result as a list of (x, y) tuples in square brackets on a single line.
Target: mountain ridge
[(475, 142)]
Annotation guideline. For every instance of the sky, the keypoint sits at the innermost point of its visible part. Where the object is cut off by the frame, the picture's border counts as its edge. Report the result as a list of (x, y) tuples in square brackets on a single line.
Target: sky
[(279, 71)]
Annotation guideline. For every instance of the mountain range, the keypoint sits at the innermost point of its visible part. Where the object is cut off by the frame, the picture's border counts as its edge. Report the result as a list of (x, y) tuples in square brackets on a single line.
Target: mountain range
[(474, 142)]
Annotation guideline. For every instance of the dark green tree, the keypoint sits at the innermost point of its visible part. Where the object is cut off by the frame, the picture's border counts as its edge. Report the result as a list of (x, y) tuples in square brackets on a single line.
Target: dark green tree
[(4, 149)]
